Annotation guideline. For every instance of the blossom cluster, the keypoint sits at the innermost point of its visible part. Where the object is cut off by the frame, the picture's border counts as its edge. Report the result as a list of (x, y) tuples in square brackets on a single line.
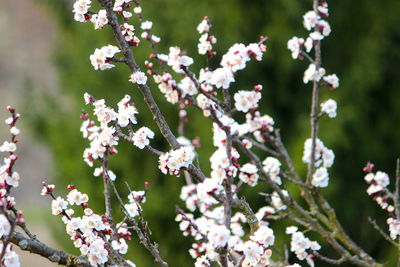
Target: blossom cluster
[(206, 40), (378, 188), (104, 138), (89, 232), (209, 199), (313, 21), (323, 158), (172, 162), (303, 247), (101, 57), (9, 179), (80, 9)]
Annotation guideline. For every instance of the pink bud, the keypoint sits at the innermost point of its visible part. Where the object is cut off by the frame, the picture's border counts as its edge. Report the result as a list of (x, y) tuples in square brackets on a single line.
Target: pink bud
[(258, 87), (369, 167), (71, 187)]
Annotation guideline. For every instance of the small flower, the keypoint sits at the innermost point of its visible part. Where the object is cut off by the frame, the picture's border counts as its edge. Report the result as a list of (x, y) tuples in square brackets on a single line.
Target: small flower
[(329, 107), (310, 20), (246, 100), (272, 167), (133, 209), (100, 57), (15, 131), (202, 262), (100, 19), (222, 78), (138, 77), (248, 174), (77, 198), (5, 226), (8, 147), (58, 205), (264, 236), (218, 236), (146, 25), (320, 178), (313, 74), (204, 26), (13, 180), (294, 45), (81, 8), (332, 80), (141, 137)]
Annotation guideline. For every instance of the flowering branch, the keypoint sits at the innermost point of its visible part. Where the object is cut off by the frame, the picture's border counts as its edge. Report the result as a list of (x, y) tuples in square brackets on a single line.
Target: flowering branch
[(217, 210)]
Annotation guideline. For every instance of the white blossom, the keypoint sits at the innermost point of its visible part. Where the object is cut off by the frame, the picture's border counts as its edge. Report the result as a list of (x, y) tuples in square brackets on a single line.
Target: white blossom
[(81, 8), (100, 58), (264, 236), (222, 78), (11, 259), (5, 226), (248, 174), (138, 77), (13, 180), (58, 205), (246, 100), (172, 162), (294, 45), (329, 107), (272, 167), (8, 147), (218, 235), (126, 112), (97, 253), (204, 26), (320, 177), (332, 80), (313, 74), (146, 25), (141, 137), (99, 20), (310, 20), (187, 87), (14, 131), (394, 228)]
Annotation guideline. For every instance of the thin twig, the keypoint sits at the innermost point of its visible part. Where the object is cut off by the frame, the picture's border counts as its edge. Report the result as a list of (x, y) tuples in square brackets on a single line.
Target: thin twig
[(376, 226)]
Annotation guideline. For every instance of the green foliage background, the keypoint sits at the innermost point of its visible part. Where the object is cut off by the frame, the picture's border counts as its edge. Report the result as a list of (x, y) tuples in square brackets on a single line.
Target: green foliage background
[(363, 50)]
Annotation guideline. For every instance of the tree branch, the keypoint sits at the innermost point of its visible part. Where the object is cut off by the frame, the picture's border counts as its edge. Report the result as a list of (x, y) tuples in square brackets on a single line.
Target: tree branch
[(53, 255)]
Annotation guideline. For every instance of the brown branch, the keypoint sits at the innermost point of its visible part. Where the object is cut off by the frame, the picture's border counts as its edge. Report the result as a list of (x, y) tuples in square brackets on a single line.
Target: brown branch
[(329, 260), (133, 66), (382, 233), (53, 255), (261, 146), (314, 104)]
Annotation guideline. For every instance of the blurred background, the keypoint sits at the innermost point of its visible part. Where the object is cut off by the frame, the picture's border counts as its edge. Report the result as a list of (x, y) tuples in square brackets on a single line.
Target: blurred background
[(45, 69)]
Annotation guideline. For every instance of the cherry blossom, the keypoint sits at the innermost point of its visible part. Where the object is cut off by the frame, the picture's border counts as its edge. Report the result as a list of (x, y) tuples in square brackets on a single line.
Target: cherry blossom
[(138, 77), (245, 100), (329, 107), (320, 178), (99, 20), (81, 8), (332, 80), (58, 205), (313, 74), (100, 59), (141, 137)]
